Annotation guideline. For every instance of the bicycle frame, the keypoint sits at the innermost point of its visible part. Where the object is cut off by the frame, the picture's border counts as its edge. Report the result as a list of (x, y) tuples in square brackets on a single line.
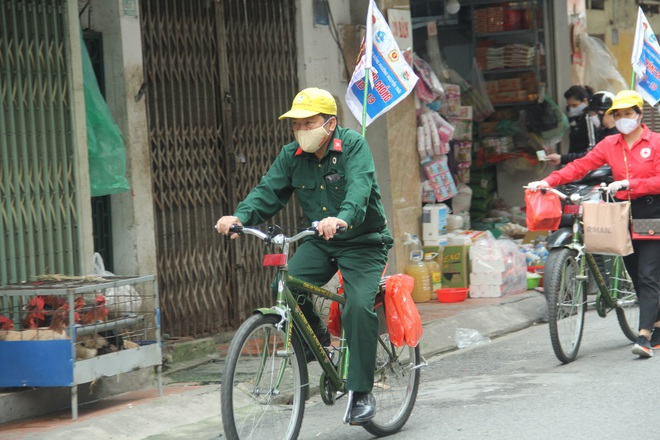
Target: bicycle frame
[(287, 306), (586, 259), (267, 363)]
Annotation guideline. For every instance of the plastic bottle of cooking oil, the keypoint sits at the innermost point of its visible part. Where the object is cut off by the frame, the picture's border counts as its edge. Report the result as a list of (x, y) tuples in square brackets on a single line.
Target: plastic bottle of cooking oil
[(422, 291), (431, 262)]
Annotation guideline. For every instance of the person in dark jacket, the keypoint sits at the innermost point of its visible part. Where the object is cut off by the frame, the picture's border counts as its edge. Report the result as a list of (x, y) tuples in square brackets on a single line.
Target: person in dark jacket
[(331, 170), (602, 122), (577, 101)]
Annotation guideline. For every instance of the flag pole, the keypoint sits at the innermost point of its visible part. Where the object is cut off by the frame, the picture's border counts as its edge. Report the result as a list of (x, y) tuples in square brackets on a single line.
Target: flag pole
[(632, 80), (368, 53), (364, 101)]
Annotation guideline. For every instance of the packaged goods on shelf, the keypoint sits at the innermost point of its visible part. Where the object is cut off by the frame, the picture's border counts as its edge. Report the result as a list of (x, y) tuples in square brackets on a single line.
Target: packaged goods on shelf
[(440, 179), (497, 145), (453, 96), (463, 151), (509, 56), (463, 172)]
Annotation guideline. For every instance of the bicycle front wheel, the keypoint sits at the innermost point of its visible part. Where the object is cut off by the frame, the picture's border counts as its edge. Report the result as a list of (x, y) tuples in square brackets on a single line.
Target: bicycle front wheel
[(566, 302), (396, 382), (623, 292), (263, 387)]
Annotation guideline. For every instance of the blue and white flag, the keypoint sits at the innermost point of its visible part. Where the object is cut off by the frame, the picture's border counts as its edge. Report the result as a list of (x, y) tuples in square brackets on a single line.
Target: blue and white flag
[(391, 78), (645, 60)]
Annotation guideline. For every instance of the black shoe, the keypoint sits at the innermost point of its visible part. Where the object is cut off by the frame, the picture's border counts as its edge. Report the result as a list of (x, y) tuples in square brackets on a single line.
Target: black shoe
[(363, 408), (642, 347), (655, 338)]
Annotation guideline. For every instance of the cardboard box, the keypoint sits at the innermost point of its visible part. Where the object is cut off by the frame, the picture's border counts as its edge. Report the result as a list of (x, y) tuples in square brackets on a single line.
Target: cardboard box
[(509, 84), (530, 236), (455, 266)]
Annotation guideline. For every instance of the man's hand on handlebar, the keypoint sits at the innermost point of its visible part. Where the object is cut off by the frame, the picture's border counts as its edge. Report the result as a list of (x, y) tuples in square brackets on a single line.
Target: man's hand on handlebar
[(225, 223), (328, 227), (534, 186)]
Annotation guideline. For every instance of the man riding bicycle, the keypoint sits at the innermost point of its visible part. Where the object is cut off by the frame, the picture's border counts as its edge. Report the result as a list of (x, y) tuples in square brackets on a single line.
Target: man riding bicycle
[(331, 169)]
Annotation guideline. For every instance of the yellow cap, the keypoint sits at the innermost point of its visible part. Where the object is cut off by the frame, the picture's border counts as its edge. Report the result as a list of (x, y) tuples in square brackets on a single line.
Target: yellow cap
[(310, 102), (626, 99)]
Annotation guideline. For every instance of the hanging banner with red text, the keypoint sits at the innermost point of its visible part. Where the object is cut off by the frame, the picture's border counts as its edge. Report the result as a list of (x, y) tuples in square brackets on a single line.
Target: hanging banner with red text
[(391, 78), (645, 60)]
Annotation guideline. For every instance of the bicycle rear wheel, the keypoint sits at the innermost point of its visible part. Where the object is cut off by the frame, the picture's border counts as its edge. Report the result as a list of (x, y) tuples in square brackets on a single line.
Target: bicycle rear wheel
[(263, 388), (395, 386), (623, 292), (565, 296)]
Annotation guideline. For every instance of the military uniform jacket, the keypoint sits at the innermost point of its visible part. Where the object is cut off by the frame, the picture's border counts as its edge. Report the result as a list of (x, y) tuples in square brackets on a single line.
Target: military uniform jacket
[(342, 184)]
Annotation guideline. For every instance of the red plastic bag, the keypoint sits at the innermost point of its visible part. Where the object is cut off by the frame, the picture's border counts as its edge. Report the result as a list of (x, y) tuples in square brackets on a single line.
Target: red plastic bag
[(398, 298), (543, 210), (394, 324), (334, 317)]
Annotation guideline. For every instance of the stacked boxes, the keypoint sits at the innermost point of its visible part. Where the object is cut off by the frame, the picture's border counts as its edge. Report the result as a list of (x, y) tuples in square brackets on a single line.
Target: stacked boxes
[(462, 121), (503, 57), (498, 268)]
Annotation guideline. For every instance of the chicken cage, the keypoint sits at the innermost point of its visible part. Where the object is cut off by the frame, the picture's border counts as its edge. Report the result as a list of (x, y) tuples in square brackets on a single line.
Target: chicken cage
[(63, 331)]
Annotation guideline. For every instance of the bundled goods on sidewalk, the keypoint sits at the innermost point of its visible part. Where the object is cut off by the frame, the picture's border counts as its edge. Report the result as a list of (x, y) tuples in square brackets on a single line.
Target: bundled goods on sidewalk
[(498, 268)]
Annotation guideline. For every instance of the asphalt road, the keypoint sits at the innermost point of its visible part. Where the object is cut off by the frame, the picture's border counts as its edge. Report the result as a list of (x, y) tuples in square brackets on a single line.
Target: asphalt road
[(515, 388), (512, 387)]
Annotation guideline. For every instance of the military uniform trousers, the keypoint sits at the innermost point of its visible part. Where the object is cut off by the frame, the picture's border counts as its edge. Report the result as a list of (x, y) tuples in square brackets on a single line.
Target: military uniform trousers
[(361, 261)]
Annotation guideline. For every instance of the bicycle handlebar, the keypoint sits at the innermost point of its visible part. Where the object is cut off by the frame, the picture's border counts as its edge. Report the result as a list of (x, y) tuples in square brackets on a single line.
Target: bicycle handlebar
[(280, 239), (575, 197), (552, 190)]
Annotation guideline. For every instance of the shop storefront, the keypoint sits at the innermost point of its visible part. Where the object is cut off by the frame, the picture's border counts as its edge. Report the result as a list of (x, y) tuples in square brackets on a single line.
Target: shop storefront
[(487, 106)]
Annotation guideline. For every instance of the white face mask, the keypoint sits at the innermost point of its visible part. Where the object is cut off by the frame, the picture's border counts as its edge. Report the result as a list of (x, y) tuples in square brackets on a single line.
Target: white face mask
[(595, 120), (626, 126), (312, 140), (576, 111)]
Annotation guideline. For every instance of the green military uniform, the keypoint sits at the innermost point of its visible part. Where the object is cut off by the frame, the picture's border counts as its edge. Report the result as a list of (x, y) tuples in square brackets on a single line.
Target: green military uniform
[(343, 185)]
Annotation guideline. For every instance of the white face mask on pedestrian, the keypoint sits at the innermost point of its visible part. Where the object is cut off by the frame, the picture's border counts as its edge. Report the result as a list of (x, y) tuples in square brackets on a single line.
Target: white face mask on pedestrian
[(595, 120), (310, 141), (576, 111), (626, 126)]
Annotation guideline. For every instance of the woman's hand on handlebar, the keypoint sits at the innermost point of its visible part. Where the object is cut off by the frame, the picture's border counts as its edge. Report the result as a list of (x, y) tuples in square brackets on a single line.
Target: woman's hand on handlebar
[(225, 222), (534, 186), (328, 227)]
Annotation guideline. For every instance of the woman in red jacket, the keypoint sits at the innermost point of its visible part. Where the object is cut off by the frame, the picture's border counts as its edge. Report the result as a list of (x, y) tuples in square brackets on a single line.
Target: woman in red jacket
[(634, 156)]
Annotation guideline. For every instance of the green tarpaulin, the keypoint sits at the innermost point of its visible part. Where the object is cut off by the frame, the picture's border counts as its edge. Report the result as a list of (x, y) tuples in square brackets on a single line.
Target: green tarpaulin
[(107, 154)]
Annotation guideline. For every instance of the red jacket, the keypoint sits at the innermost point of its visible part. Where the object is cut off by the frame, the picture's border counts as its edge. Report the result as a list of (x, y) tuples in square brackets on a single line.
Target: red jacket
[(643, 164)]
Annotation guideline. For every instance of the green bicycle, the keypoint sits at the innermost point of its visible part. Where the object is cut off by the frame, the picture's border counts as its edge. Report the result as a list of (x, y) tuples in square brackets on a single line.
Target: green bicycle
[(566, 279), (266, 380)]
